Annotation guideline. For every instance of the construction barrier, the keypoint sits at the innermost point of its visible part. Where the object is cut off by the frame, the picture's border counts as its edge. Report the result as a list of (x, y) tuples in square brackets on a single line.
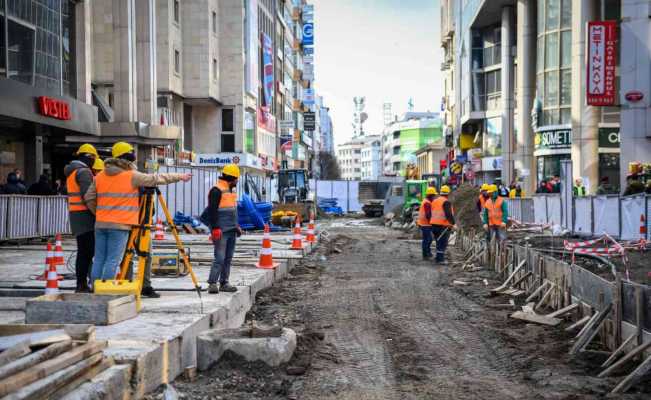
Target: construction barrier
[(24, 217)]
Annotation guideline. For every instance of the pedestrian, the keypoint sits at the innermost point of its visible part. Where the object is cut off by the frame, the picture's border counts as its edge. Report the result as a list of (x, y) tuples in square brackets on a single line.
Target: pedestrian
[(605, 187), (82, 222), (579, 190), (58, 188), (516, 191), (424, 222), (442, 222), (221, 215), (41, 188), (495, 216), (13, 185), (633, 185), (543, 187), (19, 177), (114, 199), (483, 196)]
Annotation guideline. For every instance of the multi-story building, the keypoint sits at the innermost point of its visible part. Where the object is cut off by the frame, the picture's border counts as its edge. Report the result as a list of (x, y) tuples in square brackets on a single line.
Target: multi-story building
[(349, 158), (371, 158), (520, 113), (402, 138), (325, 127)]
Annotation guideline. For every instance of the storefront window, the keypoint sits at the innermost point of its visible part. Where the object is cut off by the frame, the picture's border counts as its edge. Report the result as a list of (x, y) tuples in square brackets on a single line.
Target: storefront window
[(554, 61), (492, 138), (550, 166)]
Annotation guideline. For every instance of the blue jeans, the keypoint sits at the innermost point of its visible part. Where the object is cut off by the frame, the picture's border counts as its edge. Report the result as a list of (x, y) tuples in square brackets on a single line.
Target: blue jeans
[(221, 265), (441, 235), (109, 250), (496, 230), (427, 240)]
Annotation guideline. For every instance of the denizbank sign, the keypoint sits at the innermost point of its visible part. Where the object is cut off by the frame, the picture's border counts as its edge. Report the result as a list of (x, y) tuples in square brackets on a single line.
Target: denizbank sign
[(223, 159), (553, 139)]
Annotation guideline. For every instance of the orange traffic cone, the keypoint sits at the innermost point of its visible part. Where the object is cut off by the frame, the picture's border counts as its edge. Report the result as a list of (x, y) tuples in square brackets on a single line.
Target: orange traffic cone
[(643, 226), (310, 230), (48, 260), (52, 285), (58, 251), (297, 243), (266, 258), (160, 234)]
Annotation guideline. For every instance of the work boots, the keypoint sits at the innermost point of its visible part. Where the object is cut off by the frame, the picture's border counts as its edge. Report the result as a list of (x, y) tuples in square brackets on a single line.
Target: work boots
[(213, 288), (227, 288), (149, 292)]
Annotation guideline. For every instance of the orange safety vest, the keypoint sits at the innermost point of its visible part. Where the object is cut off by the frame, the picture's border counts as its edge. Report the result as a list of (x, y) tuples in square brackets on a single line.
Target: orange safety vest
[(117, 199), (227, 207), (422, 219), (494, 209), (482, 201), (75, 202), (438, 213)]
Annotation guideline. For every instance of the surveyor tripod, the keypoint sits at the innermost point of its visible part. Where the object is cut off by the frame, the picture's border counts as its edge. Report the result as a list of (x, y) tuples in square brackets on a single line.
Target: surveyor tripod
[(140, 239)]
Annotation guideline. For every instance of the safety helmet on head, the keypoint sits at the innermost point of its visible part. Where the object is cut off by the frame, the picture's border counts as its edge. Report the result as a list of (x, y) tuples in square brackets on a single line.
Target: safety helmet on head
[(87, 148), (98, 165), (484, 187), (121, 148), (431, 191), (232, 170), (445, 190), (492, 188)]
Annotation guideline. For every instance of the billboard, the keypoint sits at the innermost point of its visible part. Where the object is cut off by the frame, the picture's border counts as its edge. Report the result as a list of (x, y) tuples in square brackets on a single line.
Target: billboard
[(602, 58), (252, 51), (267, 70), (308, 34)]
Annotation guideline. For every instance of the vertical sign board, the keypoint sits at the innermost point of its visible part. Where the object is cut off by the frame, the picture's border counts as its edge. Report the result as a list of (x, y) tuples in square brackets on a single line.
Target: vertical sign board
[(268, 70), (308, 33), (602, 42), (252, 52), (309, 121)]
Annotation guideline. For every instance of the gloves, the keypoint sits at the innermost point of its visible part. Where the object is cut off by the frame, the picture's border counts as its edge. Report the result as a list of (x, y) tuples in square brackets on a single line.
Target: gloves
[(216, 234)]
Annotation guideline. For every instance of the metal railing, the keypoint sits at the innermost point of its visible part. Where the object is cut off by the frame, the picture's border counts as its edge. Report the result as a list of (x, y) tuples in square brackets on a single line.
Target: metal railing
[(24, 217)]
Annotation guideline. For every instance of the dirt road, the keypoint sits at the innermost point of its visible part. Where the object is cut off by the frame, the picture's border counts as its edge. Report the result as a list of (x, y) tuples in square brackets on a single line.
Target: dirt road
[(375, 321)]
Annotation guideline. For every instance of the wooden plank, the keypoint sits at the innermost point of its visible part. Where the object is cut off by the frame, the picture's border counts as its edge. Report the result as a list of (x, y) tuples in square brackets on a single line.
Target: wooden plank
[(15, 352), (590, 321), (42, 370), (537, 291), (76, 331), (35, 339), (521, 279), (633, 377), (639, 314), (578, 323), (546, 296), (536, 318), (43, 388), (506, 282), (618, 351), (563, 310), (37, 357), (617, 310), (591, 330), (80, 308), (638, 350), (89, 374)]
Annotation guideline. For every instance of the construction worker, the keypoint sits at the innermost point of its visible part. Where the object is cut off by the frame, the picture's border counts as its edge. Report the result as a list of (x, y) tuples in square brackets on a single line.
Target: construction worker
[(114, 199), (221, 215), (483, 196), (442, 222), (98, 166), (495, 215), (79, 177), (579, 190), (424, 222)]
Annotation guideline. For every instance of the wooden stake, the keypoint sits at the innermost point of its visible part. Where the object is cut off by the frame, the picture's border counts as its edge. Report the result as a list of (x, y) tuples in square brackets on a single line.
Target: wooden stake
[(563, 310), (578, 323), (634, 377), (536, 292), (591, 330), (545, 296), (617, 310), (639, 349), (618, 351)]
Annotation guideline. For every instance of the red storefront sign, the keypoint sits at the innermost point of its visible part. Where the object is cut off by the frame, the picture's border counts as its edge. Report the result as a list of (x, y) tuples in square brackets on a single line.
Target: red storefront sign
[(602, 58), (54, 108)]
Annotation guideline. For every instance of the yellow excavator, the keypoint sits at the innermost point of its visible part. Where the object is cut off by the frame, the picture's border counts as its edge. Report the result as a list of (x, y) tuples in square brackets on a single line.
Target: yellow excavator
[(294, 193)]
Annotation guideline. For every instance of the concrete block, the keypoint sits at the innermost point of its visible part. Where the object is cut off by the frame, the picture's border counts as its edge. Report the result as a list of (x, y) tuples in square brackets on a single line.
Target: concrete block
[(112, 384), (273, 351), (148, 361)]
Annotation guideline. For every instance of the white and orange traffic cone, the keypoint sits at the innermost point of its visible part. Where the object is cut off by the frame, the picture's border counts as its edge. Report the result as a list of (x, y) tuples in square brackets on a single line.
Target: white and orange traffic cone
[(58, 251), (52, 284), (310, 230), (297, 243), (160, 234), (48, 260), (266, 257)]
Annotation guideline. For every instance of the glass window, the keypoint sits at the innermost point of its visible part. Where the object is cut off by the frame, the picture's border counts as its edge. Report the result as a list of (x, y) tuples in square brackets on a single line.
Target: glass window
[(3, 65), (552, 14), (21, 52), (228, 143), (566, 48), (551, 88), (177, 61), (177, 11), (551, 50), (566, 116), (541, 16), (227, 120), (540, 56), (566, 87), (214, 22), (214, 69), (566, 14)]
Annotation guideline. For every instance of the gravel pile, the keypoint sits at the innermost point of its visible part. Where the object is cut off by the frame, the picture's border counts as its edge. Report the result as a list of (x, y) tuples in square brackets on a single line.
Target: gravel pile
[(464, 201)]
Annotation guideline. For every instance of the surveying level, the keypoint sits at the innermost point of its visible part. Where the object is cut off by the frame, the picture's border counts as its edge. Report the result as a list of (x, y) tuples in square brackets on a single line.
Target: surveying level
[(139, 244)]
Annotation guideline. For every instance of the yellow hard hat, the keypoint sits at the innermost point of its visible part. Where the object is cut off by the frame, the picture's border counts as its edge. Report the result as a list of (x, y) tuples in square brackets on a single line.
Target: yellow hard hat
[(492, 188), (431, 191), (87, 148), (445, 189), (98, 165), (121, 148), (232, 170), (484, 187)]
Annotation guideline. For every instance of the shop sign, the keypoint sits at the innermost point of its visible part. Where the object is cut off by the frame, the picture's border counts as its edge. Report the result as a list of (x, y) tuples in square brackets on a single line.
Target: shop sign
[(285, 142), (222, 159), (555, 139), (308, 97), (308, 34), (268, 163), (609, 137), (266, 120), (54, 108), (286, 124), (634, 96), (491, 164), (602, 37), (309, 121)]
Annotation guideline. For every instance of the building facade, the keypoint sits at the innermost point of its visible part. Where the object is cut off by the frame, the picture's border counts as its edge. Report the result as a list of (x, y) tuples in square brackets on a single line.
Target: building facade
[(371, 158), (349, 157), (517, 114)]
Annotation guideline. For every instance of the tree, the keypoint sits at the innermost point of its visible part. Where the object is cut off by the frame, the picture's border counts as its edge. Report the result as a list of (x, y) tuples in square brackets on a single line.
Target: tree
[(329, 166)]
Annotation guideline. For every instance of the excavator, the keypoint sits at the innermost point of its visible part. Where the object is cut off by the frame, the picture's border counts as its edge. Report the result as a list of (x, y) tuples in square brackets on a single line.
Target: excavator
[(294, 192)]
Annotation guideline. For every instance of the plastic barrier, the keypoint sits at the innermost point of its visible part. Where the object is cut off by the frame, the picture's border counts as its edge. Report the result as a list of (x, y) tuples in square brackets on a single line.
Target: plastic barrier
[(53, 215), (583, 216), (633, 207), (606, 215), (540, 209), (554, 209)]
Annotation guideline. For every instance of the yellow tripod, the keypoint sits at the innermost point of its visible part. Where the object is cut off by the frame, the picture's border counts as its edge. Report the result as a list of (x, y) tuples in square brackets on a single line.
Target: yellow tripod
[(139, 243)]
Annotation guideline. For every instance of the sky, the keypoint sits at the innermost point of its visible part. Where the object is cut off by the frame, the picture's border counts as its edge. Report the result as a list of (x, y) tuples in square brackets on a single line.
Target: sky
[(385, 50)]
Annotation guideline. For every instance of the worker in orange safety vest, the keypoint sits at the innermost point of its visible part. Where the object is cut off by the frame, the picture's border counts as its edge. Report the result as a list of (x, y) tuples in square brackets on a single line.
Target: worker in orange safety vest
[(443, 222), (424, 222), (495, 215)]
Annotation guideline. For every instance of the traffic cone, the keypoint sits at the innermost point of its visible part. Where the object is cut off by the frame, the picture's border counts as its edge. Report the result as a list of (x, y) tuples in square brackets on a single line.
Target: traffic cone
[(160, 234), (266, 258), (297, 243), (48, 260), (52, 285), (643, 226), (58, 251), (310, 230)]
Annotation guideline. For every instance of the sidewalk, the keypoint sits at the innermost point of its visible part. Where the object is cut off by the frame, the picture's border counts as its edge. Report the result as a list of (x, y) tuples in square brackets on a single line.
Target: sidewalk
[(161, 341)]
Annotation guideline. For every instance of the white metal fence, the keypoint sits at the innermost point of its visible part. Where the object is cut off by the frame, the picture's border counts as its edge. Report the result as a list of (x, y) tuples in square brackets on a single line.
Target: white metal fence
[(23, 217)]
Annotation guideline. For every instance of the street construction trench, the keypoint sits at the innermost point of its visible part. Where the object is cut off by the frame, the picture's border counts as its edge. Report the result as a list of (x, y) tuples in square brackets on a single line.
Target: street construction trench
[(375, 321)]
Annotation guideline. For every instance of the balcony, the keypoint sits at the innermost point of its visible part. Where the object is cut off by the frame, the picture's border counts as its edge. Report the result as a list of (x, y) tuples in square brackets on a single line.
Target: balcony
[(296, 44), (297, 105), (298, 75), (296, 13)]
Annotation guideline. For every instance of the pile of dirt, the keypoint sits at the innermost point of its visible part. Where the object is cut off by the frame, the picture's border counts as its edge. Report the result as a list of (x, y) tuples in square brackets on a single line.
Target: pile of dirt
[(464, 201)]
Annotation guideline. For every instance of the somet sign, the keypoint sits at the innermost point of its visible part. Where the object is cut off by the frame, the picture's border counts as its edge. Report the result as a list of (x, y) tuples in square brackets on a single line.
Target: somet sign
[(556, 139)]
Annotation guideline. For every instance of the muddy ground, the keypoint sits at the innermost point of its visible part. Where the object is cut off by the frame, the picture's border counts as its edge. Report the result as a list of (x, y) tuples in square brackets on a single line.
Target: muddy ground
[(375, 321)]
